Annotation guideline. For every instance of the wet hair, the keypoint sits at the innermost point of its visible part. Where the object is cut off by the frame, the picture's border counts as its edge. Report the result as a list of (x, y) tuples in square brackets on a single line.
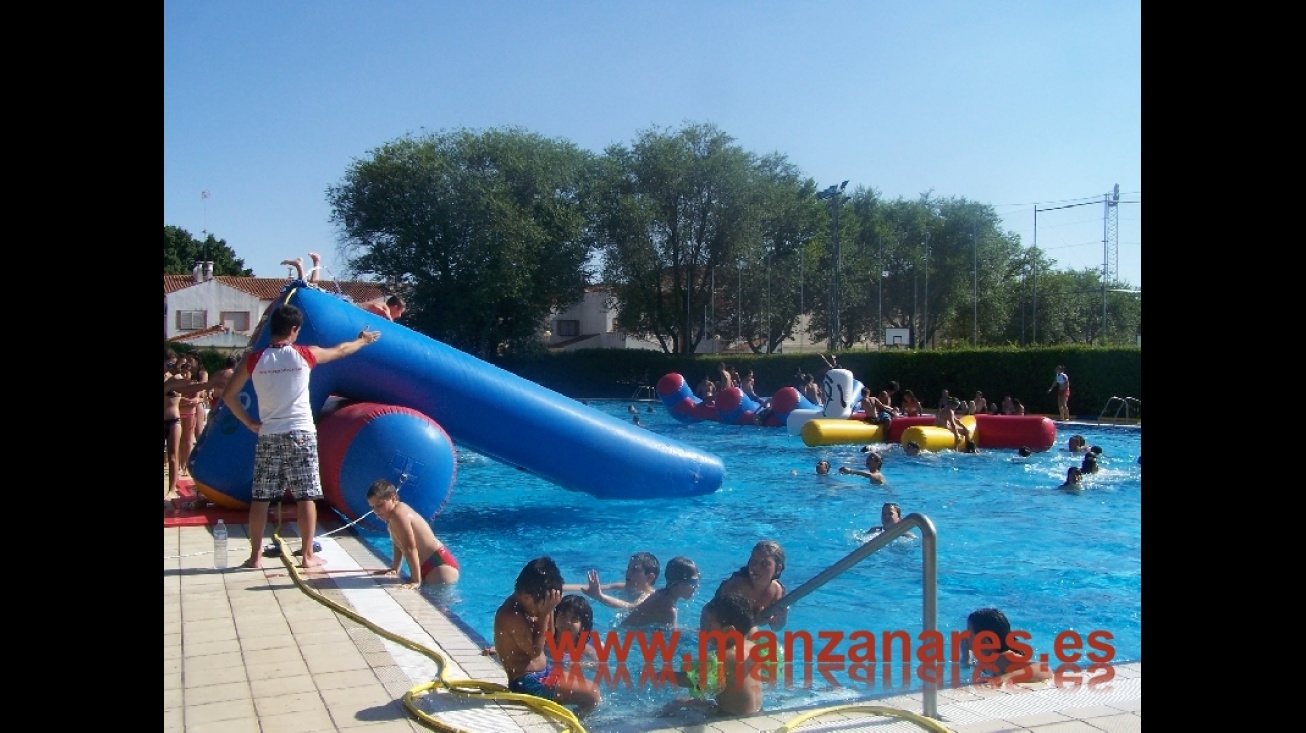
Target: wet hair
[(893, 386), (990, 619), (395, 300), (775, 552), (1024, 450), (579, 607), (647, 562), (1090, 463), (381, 489), (872, 454), (970, 447), (680, 568), (540, 576), (1073, 473), (285, 319), (1097, 450), (732, 609), (890, 505), (912, 445)]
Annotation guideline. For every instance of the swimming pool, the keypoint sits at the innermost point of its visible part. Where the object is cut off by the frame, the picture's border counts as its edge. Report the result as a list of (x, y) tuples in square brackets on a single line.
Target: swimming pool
[(1053, 561)]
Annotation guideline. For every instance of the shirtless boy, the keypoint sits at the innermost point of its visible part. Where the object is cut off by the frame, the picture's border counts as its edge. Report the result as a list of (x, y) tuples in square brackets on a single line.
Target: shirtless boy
[(877, 409), (873, 464), (520, 627), (394, 308), (726, 622), (659, 609), (641, 573), (946, 417), (412, 538), (1001, 657)]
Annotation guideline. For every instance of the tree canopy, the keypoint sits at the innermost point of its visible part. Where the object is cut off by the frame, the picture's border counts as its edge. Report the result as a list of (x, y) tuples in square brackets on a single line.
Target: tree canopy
[(484, 233), (181, 251), (488, 233)]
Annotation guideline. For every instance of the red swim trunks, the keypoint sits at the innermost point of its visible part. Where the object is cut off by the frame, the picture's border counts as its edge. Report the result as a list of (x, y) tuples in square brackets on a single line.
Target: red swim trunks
[(441, 557)]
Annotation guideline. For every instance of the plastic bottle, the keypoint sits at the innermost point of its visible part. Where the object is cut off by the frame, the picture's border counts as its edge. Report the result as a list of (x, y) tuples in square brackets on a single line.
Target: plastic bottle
[(220, 544)]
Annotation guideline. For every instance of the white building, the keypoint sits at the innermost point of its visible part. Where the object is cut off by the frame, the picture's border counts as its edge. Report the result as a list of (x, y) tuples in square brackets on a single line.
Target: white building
[(591, 324), (222, 312)]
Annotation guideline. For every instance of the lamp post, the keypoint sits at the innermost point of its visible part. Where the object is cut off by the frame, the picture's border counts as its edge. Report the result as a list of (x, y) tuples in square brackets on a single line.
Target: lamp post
[(1033, 286), (974, 291), (834, 194), (925, 302), (739, 303), (801, 307), (879, 318)]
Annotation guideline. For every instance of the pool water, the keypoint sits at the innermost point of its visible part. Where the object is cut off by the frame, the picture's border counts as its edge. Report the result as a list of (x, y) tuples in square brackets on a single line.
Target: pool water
[(1052, 561)]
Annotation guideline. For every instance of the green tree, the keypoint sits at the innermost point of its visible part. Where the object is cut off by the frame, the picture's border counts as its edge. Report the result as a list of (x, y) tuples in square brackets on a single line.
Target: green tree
[(1070, 309), (677, 212), (789, 220), (484, 233), (181, 251)]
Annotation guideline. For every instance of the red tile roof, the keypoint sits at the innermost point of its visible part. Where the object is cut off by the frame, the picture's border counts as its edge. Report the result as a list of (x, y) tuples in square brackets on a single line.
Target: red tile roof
[(268, 288), (192, 335)]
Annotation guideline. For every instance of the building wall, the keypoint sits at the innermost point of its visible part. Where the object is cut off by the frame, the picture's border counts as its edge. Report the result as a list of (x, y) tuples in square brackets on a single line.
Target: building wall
[(598, 331), (214, 299)]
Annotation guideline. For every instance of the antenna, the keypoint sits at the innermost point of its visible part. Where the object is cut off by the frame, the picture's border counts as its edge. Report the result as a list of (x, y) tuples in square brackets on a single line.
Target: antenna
[(204, 199)]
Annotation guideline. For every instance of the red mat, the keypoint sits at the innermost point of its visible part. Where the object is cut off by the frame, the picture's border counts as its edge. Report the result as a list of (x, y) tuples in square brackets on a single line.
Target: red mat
[(176, 513)]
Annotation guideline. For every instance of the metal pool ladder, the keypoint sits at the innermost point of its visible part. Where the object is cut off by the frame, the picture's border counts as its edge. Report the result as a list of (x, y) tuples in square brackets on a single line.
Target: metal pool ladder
[(645, 393), (929, 584), (1122, 404)]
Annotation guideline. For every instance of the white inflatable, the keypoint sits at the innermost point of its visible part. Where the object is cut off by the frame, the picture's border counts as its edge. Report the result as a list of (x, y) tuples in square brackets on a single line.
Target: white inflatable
[(842, 393)]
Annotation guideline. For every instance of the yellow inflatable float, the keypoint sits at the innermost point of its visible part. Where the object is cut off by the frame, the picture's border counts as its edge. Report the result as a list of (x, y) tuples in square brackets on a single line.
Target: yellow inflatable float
[(840, 432), (932, 438)]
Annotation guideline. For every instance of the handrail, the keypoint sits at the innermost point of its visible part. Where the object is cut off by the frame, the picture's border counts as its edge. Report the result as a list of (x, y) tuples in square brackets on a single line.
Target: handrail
[(645, 392), (929, 583), (1124, 405)]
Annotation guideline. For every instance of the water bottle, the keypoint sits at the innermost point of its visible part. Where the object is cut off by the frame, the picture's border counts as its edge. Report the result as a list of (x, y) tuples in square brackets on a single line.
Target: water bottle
[(220, 545)]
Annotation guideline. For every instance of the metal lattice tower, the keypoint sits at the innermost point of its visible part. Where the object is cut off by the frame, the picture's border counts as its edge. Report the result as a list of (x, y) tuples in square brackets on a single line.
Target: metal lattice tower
[(1111, 236)]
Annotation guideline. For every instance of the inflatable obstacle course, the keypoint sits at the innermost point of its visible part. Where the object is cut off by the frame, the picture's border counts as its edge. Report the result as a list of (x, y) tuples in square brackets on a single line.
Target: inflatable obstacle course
[(417, 396)]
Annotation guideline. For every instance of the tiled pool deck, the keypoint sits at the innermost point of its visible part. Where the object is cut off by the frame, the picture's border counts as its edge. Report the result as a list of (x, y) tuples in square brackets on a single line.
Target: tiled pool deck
[(248, 650)]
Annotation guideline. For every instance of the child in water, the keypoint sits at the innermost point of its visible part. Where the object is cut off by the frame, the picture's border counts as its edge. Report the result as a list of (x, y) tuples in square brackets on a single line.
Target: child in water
[(520, 626), (759, 582), (726, 621)]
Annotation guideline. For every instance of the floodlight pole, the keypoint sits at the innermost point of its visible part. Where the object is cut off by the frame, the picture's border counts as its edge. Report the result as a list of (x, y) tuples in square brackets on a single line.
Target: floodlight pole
[(835, 196), (974, 292)]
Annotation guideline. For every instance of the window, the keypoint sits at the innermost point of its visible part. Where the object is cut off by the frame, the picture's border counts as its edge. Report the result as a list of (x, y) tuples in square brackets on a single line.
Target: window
[(192, 320), (568, 328), (237, 321)]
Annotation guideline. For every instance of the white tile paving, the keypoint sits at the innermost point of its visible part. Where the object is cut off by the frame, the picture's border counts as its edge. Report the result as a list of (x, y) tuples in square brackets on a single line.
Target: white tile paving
[(1117, 707)]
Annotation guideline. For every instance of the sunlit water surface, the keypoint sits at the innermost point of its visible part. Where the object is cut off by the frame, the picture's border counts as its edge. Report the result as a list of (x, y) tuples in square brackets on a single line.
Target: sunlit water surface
[(1052, 561)]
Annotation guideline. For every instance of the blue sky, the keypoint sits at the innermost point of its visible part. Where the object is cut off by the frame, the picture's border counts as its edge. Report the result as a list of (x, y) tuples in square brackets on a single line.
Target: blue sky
[(1015, 103)]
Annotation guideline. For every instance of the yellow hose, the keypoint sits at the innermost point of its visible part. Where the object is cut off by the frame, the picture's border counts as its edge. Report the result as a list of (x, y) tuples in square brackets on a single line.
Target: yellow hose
[(479, 689), (485, 690), (921, 720)]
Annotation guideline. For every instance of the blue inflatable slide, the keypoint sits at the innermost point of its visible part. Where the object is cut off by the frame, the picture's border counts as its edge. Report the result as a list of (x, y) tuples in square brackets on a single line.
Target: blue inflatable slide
[(416, 394)]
